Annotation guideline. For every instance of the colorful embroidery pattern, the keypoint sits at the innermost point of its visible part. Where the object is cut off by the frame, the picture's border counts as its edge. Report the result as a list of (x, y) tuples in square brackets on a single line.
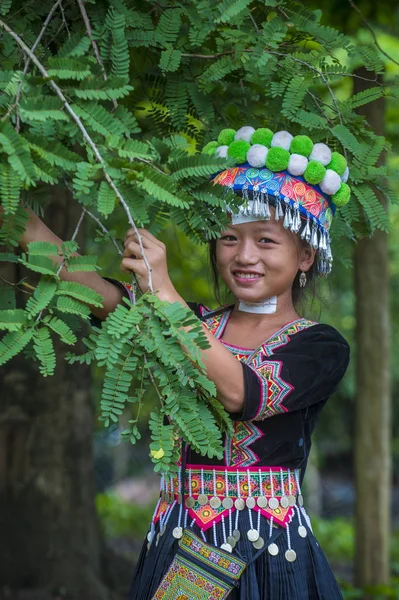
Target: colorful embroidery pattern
[(186, 580), (273, 389), (232, 482), (309, 197), (237, 447)]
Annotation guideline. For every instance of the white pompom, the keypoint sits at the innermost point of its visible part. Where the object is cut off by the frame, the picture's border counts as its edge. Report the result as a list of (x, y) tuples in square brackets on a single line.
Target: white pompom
[(331, 182), (256, 155), (321, 153), (245, 133), (345, 175), (297, 164), (221, 151), (282, 139)]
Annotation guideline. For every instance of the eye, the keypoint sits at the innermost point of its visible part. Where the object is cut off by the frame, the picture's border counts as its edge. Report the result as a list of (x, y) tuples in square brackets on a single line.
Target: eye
[(228, 238), (266, 240)]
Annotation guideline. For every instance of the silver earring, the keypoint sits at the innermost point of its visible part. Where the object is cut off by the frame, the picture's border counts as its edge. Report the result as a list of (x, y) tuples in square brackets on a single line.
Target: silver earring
[(302, 279)]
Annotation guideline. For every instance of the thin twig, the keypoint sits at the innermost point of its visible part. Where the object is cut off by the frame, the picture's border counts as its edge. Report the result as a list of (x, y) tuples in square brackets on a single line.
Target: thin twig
[(64, 20), (105, 230), (367, 24), (88, 139), (86, 21), (27, 62), (75, 233), (18, 284)]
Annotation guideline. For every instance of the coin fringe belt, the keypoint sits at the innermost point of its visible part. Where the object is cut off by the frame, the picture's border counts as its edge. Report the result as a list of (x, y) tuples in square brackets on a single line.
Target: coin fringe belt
[(214, 495)]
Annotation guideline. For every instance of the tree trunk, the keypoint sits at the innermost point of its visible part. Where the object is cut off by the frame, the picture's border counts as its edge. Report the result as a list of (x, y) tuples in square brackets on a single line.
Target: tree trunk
[(50, 534), (373, 395)]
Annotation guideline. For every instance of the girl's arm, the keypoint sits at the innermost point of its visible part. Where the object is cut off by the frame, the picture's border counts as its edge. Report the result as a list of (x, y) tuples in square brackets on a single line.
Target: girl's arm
[(36, 231), (221, 366)]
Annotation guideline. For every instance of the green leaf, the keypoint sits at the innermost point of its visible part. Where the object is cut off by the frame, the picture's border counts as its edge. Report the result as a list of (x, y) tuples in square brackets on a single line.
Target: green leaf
[(44, 351), (82, 263), (58, 326), (42, 296), (68, 68), (71, 306), (42, 109), (106, 199), (12, 320), (170, 60), (40, 264), (42, 249), (79, 292), (10, 189), (13, 343)]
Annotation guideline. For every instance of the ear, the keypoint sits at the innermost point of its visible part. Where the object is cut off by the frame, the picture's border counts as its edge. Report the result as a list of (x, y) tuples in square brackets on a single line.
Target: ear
[(306, 257)]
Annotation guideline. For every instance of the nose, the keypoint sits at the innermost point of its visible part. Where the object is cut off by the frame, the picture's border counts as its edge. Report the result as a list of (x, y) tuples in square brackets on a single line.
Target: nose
[(247, 253)]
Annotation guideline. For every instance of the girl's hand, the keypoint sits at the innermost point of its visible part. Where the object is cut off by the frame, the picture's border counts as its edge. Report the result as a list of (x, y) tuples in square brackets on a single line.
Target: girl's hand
[(155, 252)]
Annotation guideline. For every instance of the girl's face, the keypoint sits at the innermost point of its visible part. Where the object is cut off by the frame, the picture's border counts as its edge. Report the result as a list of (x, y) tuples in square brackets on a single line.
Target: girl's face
[(260, 259)]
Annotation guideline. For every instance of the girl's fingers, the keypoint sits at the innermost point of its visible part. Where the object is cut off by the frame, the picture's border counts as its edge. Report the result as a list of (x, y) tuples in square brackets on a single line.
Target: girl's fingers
[(134, 264), (147, 239), (132, 250)]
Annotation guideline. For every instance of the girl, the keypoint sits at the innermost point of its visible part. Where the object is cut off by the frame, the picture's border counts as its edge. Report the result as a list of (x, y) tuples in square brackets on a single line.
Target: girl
[(273, 370)]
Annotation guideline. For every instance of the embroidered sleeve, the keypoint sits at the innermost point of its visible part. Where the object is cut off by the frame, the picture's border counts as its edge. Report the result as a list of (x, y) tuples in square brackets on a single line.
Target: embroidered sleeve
[(302, 372)]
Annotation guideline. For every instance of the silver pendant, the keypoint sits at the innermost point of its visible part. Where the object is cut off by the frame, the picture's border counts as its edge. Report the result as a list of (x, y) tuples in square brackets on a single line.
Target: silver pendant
[(290, 555), (273, 549), (300, 500), (226, 547), (149, 537), (236, 535), (202, 499), (179, 498), (215, 502), (262, 501), (252, 535), (239, 504), (227, 503), (190, 502), (291, 500), (177, 533), (273, 503), (302, 531), (260, 542), (284, 501), (250, 502), (232, 541), (162, 530)]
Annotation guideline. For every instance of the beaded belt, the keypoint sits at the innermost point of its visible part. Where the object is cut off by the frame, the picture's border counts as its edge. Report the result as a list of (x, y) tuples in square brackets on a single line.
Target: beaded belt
[(212, 493)]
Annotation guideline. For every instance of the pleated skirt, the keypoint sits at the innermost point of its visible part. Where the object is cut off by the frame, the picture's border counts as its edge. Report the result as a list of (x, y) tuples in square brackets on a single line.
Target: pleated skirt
[(268, 577)]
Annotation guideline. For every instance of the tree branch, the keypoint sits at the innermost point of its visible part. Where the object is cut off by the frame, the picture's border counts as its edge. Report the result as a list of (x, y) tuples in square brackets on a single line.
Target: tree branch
[(86, 136), (27, 62), (86, 21), (367, 24)]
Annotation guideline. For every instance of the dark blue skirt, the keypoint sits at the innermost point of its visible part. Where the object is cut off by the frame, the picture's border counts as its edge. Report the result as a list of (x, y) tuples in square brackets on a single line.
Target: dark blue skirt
[(268, 577)]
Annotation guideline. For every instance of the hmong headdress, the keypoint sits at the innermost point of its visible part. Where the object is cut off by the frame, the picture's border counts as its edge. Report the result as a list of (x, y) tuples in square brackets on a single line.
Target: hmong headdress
[(305, 182)]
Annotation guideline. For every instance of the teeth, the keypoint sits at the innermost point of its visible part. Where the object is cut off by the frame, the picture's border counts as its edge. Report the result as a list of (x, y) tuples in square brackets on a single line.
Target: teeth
[(247, 275)]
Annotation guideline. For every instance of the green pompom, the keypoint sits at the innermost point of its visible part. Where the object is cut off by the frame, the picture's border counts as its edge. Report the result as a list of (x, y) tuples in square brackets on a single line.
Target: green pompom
[(314, 172), (238, 150), (226, 136), (301, 144), (262, 136), (277, 159), (338, 163), (210, 148), (343, 195)]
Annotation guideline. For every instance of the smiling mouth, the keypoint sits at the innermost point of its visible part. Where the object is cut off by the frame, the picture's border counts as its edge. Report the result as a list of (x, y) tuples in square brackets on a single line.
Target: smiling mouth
[(243, 275)]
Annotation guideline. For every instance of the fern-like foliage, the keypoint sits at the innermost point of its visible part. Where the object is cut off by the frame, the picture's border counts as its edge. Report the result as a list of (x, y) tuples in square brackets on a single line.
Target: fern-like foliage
[(124, 135)]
